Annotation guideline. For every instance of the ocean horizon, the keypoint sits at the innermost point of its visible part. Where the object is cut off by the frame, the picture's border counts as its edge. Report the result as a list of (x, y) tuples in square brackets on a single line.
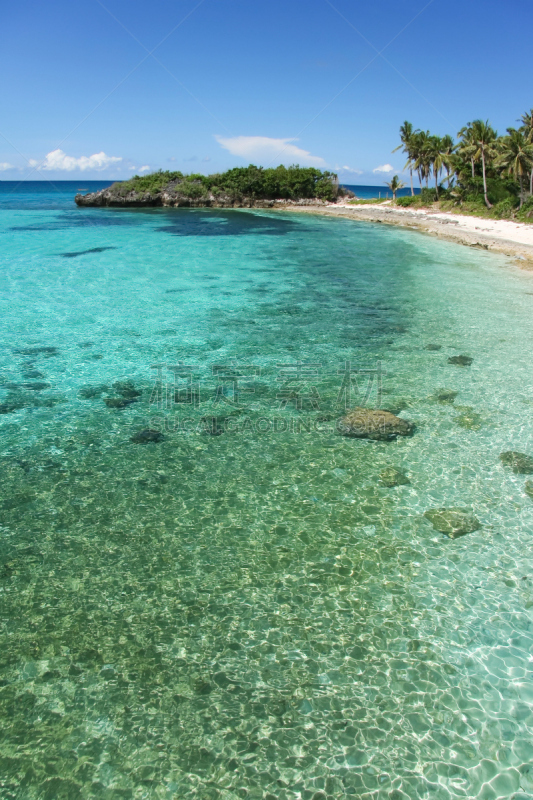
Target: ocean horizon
[(364, 192)]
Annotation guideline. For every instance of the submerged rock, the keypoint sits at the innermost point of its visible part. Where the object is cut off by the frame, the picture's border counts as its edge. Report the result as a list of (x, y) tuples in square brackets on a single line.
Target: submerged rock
[(528, 489), (433, 347), (446, 396), (147, 436), (89, 392), (33, 373), (12, 404), (460, 361), (520, 463), (18, 400), (393, 477), (36, 351), (365, 423), (38, 386), (454, 522), (126, 389), (118, 402), (469, 419)]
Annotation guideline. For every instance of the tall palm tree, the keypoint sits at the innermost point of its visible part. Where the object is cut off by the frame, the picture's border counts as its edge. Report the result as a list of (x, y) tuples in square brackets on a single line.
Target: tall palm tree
[(422, 155), (438, 158), (448, 150), (407, 145), (516, 157), (485, 140), (527, 129), (466, 145), (394, 185)]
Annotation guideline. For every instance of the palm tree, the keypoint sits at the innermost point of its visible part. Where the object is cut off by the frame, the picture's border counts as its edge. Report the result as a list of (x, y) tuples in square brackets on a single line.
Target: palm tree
[(485, 140), (394, 185), (436, 148), (421, 155), (447, 151), (407, 145), (516, 157), (466, 146), (527, 129)]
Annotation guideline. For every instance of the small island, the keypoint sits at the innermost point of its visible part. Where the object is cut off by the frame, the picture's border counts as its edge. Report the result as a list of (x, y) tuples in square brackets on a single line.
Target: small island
[(242, 187)]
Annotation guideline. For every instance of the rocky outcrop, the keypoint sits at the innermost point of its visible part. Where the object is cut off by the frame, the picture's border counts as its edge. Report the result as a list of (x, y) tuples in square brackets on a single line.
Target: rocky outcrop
[(460, 361), (445, 396), (391, 477), (147, 436), (111, 198), (454, 522), (366, 423), (520, 463), (469, 419)]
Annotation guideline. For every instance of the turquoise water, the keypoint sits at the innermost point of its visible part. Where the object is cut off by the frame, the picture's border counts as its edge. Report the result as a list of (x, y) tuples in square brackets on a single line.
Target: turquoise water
[(253, 614)]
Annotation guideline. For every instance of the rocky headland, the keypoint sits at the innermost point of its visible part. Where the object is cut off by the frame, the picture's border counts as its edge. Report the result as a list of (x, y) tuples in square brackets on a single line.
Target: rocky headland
[(246, 187)]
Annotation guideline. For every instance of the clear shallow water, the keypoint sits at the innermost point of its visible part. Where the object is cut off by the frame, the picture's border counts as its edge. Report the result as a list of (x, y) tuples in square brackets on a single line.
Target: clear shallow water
[(253, 614)]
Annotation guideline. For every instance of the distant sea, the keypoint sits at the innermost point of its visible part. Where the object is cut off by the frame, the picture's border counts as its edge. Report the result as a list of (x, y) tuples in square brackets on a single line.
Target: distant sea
[(367, 192), (49, 195), (59, 194)]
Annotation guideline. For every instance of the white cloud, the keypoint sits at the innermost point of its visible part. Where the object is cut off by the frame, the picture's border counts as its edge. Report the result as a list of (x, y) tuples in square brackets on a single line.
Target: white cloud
[(33, 162), (264, 149), (144, 169), (4, 165), (386, 168), (349, 169), (58, 160)]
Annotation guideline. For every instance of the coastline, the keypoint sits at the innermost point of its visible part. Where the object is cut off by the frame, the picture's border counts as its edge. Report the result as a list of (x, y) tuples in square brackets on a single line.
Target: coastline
[(513, 239)]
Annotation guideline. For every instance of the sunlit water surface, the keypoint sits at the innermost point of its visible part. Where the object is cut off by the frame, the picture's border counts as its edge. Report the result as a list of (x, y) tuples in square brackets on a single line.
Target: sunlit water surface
[(254, 614)]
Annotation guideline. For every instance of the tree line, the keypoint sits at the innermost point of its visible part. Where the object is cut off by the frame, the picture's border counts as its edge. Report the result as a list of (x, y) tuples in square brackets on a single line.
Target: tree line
[(252, 182), (499, 166)]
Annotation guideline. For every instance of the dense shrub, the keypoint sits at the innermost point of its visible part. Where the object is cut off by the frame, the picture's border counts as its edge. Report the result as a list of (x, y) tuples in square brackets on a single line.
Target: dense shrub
[(526, 212), (291, 183), (406, 201), (149, 183), (498, 189), (192, 189), (505, 208), (426, 197)]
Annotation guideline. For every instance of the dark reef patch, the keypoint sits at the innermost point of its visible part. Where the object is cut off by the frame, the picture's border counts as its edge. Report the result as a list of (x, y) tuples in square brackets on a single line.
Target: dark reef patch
[(37, 351), (148, 436), (77, 253), (189, 222), (460, 361)]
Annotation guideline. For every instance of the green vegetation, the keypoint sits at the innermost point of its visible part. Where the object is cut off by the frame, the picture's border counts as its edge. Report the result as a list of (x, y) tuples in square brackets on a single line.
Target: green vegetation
[(394, 185), (486, 174), (290, 183), (367, 201)]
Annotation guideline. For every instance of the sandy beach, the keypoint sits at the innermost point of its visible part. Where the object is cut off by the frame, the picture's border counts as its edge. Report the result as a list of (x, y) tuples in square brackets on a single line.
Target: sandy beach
[(504, 236)]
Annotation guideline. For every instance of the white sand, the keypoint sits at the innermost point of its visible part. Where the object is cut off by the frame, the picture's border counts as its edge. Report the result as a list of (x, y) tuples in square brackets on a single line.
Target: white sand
[(513, 238), (517, 232)]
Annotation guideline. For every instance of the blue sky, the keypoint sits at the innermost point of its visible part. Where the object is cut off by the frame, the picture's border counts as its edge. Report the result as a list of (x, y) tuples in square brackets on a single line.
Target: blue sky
[(106, 88)]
